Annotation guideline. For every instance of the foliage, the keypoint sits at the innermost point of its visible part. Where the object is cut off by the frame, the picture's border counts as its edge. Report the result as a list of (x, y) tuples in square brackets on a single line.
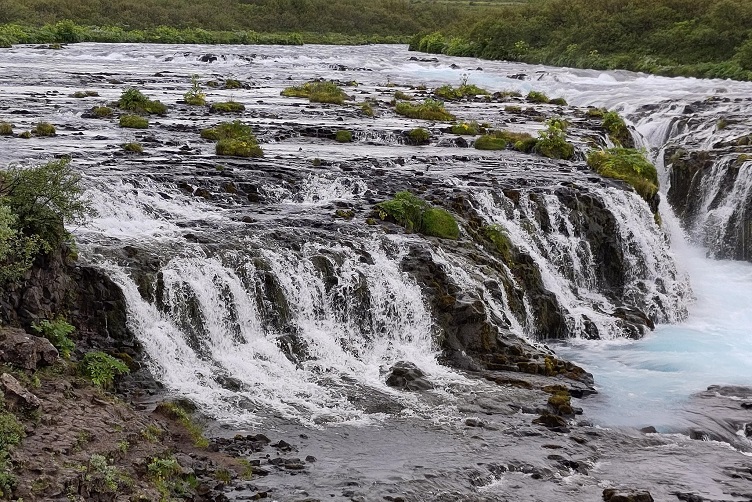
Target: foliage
[(101, 111), (366, 109), (418, 136), (238, 148), (101, 368), (430, 109), (417, 215), (463, 91), (399, 95), (134, 122), (493, 141), (133, 147), (343, 136), (537, 97), (233, 138), (43, 129), (468, 128), (499, 140), (626, 164), (98, 469), (134, 100), (617, 129), (177, 412), (231, 83), (11, 431), (58, 332), (227, 130), (228, 107), (317, 92), (552, 141), (195, 95), (6, 129), (500, 239)]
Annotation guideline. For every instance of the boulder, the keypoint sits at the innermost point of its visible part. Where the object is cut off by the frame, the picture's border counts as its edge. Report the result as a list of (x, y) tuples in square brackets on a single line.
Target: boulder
[(622, 495), (25, 351), (16, 396), (406, 376)]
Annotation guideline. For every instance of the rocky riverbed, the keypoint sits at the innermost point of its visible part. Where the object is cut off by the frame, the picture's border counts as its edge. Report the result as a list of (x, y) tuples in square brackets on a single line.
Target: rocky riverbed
[(340, 356)]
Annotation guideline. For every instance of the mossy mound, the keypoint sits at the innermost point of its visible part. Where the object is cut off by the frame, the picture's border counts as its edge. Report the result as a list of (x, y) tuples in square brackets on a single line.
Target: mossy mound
[(239, 148), (43, 129), (430, 109), (367, 110), (132, 147), (399, 95), (468, 128), (234, 139), (626, 164), (133, 100), (463, 91), (537, 97), (101, 111), (228, 107), (552, 142), (134, 122), (6, 129), (417, 215), (343, 136), (317, 92), (418, 136), (84, 94), (617, 130), (499, 140)]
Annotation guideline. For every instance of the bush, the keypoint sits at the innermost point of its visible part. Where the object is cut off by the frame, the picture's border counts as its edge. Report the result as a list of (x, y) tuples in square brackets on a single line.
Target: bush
[(57, 331), (11, 431), (499, 140), (101, 368), (366, 109), (234, 138), (468, 129), (228, 107), (492, 141), (134, 122), (617, 129), (537, 97), (6, 129), (626, 164), (464, 90), (133, 147), (317, 92), (44, 129), (231, 83), (195, 96), (417, 215), (101, 111), (133, 100), (418, 136), (428, 110), (343, 136), (552, 142), (238, 148)]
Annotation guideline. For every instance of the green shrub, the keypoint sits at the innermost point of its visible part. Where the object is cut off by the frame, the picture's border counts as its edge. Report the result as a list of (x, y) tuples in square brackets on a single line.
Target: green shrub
[(552, 141), (501, 241), (468, 129), (101, 111), (626, 164), (492, 141), (317, 92), (558, 101), (133, 100), (6, 129), (499, 140), (464, 90), (428, 110), (195, 95), (417, 215), (228, 107), (134, 122), (43, 129), (596, 113), (617, 129), (366, 109), (231, 83), (537, 97), (401, 95), (343, 136), (101, 368), (418, 136), (238, 148), (84, 94), (133, 147), (57, 331), (228, 130), (11, 431)]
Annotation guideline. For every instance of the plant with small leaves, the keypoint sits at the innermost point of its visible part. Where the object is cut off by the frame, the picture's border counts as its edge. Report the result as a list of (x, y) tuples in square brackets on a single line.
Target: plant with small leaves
[(102, 368), (57, 331)]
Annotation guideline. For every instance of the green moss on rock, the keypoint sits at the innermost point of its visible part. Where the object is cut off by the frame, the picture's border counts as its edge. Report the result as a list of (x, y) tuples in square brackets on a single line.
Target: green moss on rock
[(134, 100), (317, 92), (417, 215), (430, 109), (228, 107), (343, 136), (134, 122), (626, 164)]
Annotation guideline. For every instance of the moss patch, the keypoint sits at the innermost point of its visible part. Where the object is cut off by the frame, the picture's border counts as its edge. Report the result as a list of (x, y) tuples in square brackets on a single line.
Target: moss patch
[(617, 129), (317, 92), (43, 129), (417, 215), (430, 109), (465, 90), (228, 107), (133, 100), (343, 136), (134, 122), (418, 136), (626, 164), (101, 111), (6, 129)]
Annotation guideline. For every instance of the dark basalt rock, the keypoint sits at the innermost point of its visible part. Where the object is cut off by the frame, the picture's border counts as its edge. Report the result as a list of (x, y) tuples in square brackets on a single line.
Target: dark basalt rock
[(406, 376), (25, 351), (625, 495), (16, 396)]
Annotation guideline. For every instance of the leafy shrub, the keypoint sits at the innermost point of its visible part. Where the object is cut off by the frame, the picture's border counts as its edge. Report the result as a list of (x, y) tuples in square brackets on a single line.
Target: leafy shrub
[(133, 100), (417, 215), (317, 92), (101, 368), (44, 129), (468, 128), (195, 95), (464, 90), (228, 107), (134, 122), (99, 470), (367, 109), (57, 331), (430, 109), (231, 83), (101, 111), (234, 138), (552, 141), (595, 112), (617, 129), (343, 136), (11, 431), (491, 142), (401, 95), (626, 164), (499, 140), (418, 136), (133, 147), (537, 97), (238, 148), (558, 101), (6, 129)]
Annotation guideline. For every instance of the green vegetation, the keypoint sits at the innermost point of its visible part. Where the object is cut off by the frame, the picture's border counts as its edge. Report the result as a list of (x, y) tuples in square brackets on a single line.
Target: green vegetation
[(617, 129), (228, 107), (665, 37), (6, 129), (234, 138), (537, 97), (430, 109), (418, 136), (499, 140), (35, 203), (101, 111), (177, 412), (399, 95), (552, 141), (99, 470), (133, 100), (498, 236), (492, 141), (366, 109), (468, 128), (84, 94), (231, 83), (417, 215), (11, 433), (343, 136), (133, 147), (134, 122), (463, 91), (626, 164), (43, 129), (317, 92), (58, 332), (195, 96), (101, 368)]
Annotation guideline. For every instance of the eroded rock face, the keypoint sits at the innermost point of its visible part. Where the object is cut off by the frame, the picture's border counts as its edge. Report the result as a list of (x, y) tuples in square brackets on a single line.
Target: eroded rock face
[(622, 495), (25, 351), (16, 396), (405, 375)]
